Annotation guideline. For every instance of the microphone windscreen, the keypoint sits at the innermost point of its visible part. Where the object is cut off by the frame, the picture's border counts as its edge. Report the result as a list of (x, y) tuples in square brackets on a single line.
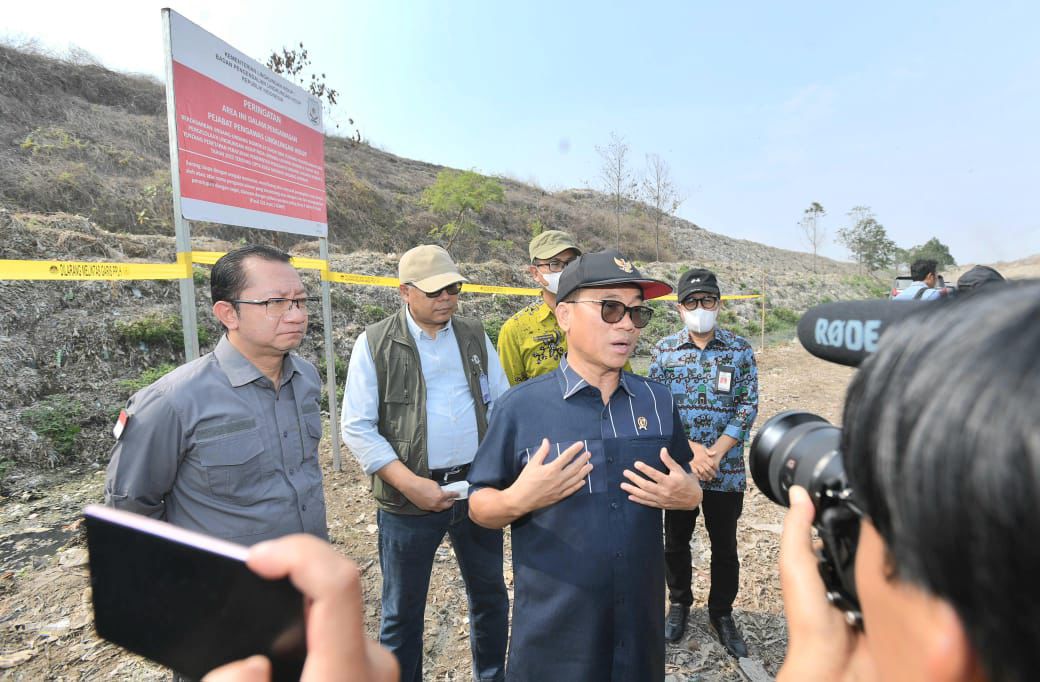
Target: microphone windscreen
[(847, 332)]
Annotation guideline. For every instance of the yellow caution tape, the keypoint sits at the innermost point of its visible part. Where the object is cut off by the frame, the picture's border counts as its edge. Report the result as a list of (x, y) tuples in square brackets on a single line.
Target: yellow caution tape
[(371, 280), (309, 263), (90, 270), (508, 291), (730, 297), (206, 257), (93, 270)]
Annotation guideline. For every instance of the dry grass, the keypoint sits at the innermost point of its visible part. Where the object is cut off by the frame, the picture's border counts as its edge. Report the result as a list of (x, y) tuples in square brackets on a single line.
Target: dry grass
[(78, 138)]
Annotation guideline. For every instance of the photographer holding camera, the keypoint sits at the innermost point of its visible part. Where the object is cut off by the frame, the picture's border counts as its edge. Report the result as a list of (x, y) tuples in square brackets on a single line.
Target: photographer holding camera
[(941, 456)]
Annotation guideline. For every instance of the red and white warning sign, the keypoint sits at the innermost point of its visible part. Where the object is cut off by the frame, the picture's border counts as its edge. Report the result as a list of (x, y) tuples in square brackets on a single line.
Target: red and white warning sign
[(250, 144)]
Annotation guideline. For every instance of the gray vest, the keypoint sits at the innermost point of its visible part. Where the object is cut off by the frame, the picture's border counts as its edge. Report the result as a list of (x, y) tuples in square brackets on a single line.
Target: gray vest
[(402, 395)]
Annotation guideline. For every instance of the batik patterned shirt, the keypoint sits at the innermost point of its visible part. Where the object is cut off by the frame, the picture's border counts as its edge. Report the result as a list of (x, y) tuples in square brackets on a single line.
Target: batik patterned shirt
[(716, 391)]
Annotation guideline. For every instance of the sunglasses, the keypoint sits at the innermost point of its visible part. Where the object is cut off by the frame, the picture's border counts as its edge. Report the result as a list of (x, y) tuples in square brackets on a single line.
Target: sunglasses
[(706, 302), (451, 289), (613, 312)]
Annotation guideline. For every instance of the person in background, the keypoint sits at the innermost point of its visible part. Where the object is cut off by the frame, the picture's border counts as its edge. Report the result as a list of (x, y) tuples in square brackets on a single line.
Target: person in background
[(227, 444), (924, 276), (713, 379), (530, 342), (978, 277), (420, 386)]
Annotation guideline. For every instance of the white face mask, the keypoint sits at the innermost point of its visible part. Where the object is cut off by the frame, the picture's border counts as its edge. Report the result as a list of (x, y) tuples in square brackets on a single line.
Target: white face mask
[(552, 281), (699, 321)]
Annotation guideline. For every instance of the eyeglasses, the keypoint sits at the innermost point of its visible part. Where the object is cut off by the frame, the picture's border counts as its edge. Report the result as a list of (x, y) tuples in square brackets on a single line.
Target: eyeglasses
[(276, 307), (451, 289), (706, 302), (554, 265), (613, 312)]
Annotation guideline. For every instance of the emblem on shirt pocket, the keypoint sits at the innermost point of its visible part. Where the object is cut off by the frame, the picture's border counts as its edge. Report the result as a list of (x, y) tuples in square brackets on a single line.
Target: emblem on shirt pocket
[(641, 423)]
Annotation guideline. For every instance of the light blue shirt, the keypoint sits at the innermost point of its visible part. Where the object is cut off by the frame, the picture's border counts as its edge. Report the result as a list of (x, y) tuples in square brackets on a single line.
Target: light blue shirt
[(910, 293), (451, 423)]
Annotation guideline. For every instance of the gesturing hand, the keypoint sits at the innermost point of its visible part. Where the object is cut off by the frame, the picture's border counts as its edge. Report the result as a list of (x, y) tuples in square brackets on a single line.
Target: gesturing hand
[(540, 485), (674, 490)]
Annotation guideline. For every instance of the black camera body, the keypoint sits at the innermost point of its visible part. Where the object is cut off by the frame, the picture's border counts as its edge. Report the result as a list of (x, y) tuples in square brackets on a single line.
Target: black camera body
[(801, 448)]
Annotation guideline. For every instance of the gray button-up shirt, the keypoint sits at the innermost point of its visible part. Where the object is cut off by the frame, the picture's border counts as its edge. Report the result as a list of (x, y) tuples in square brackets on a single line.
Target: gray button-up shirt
[(213, 446)]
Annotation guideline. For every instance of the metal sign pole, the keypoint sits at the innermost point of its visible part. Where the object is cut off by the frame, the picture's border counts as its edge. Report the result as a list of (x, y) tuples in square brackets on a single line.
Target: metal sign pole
[(330, 355), (189, 321), (762, 348)]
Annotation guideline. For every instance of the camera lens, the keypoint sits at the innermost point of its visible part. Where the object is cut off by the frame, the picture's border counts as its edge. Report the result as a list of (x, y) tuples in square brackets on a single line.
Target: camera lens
[(796, 448)]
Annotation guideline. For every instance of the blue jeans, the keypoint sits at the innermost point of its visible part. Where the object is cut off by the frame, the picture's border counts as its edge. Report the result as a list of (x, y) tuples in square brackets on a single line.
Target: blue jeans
[(407, 545)]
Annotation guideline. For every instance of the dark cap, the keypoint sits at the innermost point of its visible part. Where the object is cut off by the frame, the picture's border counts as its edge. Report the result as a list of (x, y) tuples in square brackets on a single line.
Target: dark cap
[(978, 276), (604, 268), (695, 280)]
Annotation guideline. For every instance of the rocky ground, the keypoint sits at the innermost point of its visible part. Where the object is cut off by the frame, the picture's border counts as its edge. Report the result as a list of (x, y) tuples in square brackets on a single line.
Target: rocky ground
[(45, 612)]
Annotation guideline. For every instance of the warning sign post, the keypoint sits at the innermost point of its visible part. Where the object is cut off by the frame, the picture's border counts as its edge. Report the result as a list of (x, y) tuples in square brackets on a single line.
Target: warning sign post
[(250, 144), (247, 148)]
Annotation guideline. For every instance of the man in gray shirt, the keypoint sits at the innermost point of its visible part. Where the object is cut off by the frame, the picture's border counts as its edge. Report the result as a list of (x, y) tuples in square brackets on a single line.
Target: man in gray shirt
[(228, 444)]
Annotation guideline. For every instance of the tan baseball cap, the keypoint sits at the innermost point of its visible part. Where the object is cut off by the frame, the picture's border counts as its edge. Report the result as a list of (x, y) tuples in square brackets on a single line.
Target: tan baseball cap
[(550, 243), (429, 268)]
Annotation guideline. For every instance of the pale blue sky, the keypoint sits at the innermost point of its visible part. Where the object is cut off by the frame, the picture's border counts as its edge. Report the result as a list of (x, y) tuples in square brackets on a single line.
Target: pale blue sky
[(925, 111)]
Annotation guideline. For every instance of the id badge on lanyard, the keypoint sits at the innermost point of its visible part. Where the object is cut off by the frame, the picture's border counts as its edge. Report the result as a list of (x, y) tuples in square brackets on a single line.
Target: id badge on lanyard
[(724, 379)]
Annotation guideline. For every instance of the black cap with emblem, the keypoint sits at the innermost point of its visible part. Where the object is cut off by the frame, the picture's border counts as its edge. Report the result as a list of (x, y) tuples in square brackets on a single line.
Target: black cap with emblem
[(604, 268), (697, 280)]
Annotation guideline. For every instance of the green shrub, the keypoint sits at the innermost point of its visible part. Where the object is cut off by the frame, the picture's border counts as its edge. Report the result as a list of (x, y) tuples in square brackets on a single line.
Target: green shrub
[(779, 319), (371, 313), (147, 377), (868, 286), (157, 329), (56, 418), (341, 368), (493, 326), (664, 322)]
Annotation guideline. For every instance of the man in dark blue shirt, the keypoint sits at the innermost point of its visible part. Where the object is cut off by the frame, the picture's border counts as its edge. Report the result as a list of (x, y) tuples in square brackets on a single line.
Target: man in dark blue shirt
[(581, 461)]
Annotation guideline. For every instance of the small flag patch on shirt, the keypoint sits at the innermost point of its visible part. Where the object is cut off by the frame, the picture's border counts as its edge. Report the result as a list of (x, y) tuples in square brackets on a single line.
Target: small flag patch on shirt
[(121, 421)]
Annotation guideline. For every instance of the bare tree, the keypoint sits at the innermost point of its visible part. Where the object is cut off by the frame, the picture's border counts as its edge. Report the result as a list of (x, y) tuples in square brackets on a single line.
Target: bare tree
[(814, 232), (659, 194), (616, 176), (292, 64)]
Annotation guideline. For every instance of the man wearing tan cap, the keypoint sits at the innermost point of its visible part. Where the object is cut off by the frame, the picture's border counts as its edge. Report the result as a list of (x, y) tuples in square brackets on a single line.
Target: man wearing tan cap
[(531, 342), (420, 386)]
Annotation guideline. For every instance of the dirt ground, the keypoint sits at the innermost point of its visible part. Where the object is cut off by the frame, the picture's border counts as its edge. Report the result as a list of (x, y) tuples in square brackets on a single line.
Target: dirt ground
[(45, 614)]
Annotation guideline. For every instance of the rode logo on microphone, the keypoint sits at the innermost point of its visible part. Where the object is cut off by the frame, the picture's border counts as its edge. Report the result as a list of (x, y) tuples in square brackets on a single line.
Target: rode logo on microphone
[(853, 335)]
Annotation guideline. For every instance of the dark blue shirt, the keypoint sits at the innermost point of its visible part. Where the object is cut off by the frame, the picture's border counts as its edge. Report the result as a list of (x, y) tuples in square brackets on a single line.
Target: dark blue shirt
[(589, 570)]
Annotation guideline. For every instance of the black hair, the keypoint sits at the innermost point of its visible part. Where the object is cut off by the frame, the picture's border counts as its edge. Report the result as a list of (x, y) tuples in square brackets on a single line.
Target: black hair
[(978, 277), (941, 443), (922, 267), (228, 278)]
